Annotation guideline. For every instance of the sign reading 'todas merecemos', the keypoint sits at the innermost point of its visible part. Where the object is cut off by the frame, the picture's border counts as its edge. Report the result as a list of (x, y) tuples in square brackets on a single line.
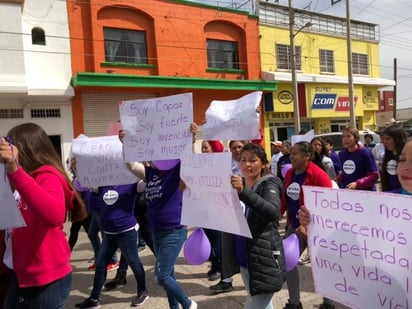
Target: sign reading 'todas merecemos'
[(332, 101)]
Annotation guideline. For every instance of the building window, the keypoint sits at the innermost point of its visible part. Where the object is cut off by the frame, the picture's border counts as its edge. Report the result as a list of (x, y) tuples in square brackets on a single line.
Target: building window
[(390, 101), (283, 57), (11, 113), (327, 62), (222, 54), (45, 113), (360, 64), (126, 46), (38, 36)]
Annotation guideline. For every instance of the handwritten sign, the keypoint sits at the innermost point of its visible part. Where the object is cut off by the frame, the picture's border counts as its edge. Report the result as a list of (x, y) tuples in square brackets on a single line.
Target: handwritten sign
[(158, 128), (209, 200), (10, 215), (360, 246), (233, 120), (99, 162), (303, 137)]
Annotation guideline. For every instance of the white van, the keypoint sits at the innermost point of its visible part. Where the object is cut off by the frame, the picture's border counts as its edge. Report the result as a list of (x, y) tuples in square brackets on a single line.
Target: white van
[(336, 138)]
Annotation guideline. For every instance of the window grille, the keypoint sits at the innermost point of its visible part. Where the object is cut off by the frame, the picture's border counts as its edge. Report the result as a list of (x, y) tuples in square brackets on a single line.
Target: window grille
[(45, 113)]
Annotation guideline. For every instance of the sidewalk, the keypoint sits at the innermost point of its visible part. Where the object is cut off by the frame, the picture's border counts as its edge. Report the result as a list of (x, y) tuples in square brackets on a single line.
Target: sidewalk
[(193, 280)]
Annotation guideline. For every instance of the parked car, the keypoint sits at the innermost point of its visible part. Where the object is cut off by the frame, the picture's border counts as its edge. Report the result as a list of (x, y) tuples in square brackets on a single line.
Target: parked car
[(336, 138)]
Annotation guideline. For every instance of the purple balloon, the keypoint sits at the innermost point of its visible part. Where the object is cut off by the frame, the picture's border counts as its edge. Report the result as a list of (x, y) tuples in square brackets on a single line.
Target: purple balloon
[(165, 165), (285, 168), (78, 186), (197, 247), (291, 248)]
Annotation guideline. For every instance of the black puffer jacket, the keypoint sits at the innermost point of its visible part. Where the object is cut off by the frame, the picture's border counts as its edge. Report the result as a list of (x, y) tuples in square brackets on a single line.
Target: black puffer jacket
[(265, 255)]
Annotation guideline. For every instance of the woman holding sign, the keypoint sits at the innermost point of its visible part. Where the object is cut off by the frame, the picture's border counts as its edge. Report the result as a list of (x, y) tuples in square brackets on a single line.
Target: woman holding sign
[(403, 170), (46, 195), (359, 171), (164, 207), (261, 259), (303, 172)]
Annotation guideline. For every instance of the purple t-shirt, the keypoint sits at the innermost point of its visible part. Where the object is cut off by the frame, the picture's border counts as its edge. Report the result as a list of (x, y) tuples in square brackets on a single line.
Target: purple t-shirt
[(356, 165), (293, 196), (117, 207), (391, 174), (163, 197)]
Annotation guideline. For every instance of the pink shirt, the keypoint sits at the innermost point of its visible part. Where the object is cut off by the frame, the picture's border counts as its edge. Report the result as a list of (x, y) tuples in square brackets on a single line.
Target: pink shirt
[(41, 253)]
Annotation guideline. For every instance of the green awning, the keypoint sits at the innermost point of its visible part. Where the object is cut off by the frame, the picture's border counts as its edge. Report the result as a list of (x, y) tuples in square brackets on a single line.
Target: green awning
[(148, 81)]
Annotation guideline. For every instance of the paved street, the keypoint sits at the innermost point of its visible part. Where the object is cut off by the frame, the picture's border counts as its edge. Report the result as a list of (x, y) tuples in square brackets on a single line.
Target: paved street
[(193, 279)]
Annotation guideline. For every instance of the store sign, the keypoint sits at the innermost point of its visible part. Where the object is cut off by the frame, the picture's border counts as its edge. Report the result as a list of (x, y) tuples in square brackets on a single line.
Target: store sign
[(343, 104), (285, 97), (324, 100)]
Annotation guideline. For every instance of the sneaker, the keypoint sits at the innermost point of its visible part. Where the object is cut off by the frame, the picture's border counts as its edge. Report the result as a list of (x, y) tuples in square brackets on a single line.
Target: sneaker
[(304, 260), (112, 266), (193, 305), (213, 274), (222, 287), (117, 281), (293, 306), (92, 267), (326, 306), (89, 303), (140, 299)]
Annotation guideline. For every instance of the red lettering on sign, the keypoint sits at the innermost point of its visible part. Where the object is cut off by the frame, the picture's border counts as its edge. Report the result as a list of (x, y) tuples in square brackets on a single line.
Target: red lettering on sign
[(343, 104)]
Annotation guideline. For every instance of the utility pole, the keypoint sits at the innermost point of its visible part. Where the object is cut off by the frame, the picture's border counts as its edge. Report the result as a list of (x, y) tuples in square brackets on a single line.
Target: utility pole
[(296, 112), (395, 77), (292, 51), (350, 73)]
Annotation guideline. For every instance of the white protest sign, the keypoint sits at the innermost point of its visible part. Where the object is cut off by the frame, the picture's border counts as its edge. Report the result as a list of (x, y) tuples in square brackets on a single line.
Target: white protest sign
[(233, 120), (209, 199), (10, 215), (303, 137), (360, 246), (157, 128), (99, 162)]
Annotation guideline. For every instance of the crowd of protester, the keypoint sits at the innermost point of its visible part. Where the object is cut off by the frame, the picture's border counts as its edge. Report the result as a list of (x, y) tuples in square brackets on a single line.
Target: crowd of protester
[(268, 189)]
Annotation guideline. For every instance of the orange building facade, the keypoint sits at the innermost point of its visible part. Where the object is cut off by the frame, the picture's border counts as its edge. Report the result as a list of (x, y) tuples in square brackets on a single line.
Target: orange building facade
[(144, 49)]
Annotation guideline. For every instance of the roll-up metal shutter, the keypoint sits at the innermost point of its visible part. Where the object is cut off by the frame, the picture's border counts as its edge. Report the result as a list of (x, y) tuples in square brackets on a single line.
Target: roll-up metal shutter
[(100, 109)]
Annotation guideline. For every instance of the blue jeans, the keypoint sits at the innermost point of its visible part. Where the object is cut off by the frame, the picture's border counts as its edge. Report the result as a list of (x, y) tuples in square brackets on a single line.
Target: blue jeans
[(93, 235), (263, 301), (168, 244), (50, 296), (127, 243)]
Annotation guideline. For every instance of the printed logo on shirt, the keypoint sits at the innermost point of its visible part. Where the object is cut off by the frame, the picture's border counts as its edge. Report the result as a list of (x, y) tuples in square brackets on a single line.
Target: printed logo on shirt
[(154, 189), (349, 167), (391, 167), (293, 191), (110, 197)]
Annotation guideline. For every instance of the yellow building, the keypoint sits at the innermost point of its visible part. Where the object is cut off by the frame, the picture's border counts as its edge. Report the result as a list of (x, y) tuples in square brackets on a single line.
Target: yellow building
[(321, 71)]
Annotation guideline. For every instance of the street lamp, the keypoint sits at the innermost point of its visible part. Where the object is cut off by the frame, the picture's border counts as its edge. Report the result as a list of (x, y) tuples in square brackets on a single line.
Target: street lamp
[(292, 35)]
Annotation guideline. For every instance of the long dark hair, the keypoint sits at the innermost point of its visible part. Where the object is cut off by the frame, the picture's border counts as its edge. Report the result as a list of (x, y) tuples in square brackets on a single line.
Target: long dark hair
[(317, 157), (260, 153), (35, 150), (399, 137)]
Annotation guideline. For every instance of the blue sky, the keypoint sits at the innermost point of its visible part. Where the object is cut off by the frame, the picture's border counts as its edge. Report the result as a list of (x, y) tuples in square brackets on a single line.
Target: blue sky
[(394, 18)]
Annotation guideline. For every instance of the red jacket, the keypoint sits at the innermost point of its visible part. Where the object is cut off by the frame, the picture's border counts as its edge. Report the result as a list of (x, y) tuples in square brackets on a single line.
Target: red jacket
[(315, 176), (41, 253)]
